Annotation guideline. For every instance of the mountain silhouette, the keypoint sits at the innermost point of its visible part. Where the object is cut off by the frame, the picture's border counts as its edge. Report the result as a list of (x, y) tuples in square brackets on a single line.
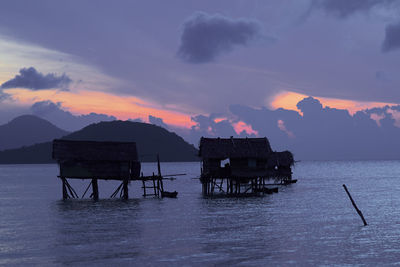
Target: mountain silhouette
[(150, 140), (27, 130)]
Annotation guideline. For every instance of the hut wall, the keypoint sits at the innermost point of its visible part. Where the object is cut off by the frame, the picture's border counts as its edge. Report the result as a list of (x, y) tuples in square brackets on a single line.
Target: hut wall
[(99, 169), (101, 160), (211, 166)]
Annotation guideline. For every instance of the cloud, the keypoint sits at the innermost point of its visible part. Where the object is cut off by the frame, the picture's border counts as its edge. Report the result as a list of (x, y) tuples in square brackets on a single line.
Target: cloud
[(309, 105), (205, 36), (392, 38), (324, 133), (54, 113), (157, 121), (3, 96), (30, 78), (346, 8)]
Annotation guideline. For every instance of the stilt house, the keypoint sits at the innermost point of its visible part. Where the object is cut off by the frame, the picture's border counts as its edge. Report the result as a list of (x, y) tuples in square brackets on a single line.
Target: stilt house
[(96, 160), (242, 161)]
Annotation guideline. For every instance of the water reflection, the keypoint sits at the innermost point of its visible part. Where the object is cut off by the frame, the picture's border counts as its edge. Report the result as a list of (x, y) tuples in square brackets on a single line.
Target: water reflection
[(96, 231), (234, 229)]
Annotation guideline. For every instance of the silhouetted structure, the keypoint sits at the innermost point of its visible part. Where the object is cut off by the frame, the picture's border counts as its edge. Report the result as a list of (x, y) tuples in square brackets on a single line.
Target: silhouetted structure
[(244, 164), (102, 160)]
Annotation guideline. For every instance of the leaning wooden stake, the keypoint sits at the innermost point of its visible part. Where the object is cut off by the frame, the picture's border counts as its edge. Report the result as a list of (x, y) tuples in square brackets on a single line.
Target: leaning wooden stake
[(355, 206)]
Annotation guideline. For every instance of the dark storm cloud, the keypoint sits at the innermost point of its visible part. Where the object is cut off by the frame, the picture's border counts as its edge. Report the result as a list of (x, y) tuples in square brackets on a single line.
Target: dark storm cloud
[(205, 36), (54, 113), (345, 8), (30, 78), (392, 38)]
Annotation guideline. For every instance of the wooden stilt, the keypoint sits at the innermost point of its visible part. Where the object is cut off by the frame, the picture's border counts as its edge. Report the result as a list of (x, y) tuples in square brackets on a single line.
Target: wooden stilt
[(87, 188), (154, 184), (161, 184), (158, 186), (71, 190), (116, 191), (125, 189), (95, 188), (144, 188), (64, 188)]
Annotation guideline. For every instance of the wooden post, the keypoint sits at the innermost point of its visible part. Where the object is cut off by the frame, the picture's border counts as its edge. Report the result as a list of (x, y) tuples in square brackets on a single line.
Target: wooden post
[(144, 187), (161, 184), (64, 188), (355, 206), (154, 185), (95, 188), (158, 186), (125, 188), (158, 165)]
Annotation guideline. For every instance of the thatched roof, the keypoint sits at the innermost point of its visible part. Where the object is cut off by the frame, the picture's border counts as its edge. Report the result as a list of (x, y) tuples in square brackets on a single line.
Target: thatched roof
[(221, 148), (94, 151), (284, 158)]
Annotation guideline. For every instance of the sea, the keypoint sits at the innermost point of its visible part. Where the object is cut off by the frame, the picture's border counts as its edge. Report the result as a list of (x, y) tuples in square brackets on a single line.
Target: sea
[(308, 223)]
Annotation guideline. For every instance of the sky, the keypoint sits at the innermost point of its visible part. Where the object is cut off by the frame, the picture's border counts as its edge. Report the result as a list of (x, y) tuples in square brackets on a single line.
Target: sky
[(201, 67)]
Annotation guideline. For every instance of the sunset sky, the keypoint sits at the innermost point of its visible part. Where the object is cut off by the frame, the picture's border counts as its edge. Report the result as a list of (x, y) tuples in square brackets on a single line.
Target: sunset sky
[(178, 59)]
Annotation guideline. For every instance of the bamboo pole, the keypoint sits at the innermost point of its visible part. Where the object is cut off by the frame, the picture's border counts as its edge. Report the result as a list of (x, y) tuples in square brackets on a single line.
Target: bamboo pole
[(355, 206)]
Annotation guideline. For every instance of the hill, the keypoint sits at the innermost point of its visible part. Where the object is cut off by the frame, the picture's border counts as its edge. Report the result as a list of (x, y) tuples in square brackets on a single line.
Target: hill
[(150, 140), (27, 130)]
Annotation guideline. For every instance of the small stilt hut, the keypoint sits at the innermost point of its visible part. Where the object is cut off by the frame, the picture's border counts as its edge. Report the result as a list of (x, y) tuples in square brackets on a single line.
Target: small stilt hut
[(242, 165)]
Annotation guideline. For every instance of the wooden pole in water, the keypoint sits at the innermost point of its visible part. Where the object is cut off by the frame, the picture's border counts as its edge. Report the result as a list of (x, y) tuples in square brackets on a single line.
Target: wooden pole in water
[(355, 206), (95, 188)]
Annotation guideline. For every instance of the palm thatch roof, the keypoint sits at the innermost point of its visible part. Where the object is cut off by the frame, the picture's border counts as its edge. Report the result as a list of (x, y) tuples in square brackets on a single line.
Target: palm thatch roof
[(94, 151), (284, 158), (221, 148)]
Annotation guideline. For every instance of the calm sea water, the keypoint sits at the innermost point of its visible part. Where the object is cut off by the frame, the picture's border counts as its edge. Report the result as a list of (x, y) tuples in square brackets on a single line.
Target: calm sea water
[(308, 223)]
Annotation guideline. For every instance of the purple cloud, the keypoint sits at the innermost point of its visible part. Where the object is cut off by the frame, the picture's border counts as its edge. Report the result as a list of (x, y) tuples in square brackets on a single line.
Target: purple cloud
[(206, 36), (30, 78)]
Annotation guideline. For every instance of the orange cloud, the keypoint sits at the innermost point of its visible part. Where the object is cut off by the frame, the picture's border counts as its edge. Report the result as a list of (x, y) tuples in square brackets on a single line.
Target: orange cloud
[(242, 126), (83, 102), (217, 120), (282, 127), (289, 100)]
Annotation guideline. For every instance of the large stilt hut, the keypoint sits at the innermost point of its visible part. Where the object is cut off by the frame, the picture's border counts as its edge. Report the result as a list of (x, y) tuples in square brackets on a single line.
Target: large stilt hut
[(95, 161), (241, 166)]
